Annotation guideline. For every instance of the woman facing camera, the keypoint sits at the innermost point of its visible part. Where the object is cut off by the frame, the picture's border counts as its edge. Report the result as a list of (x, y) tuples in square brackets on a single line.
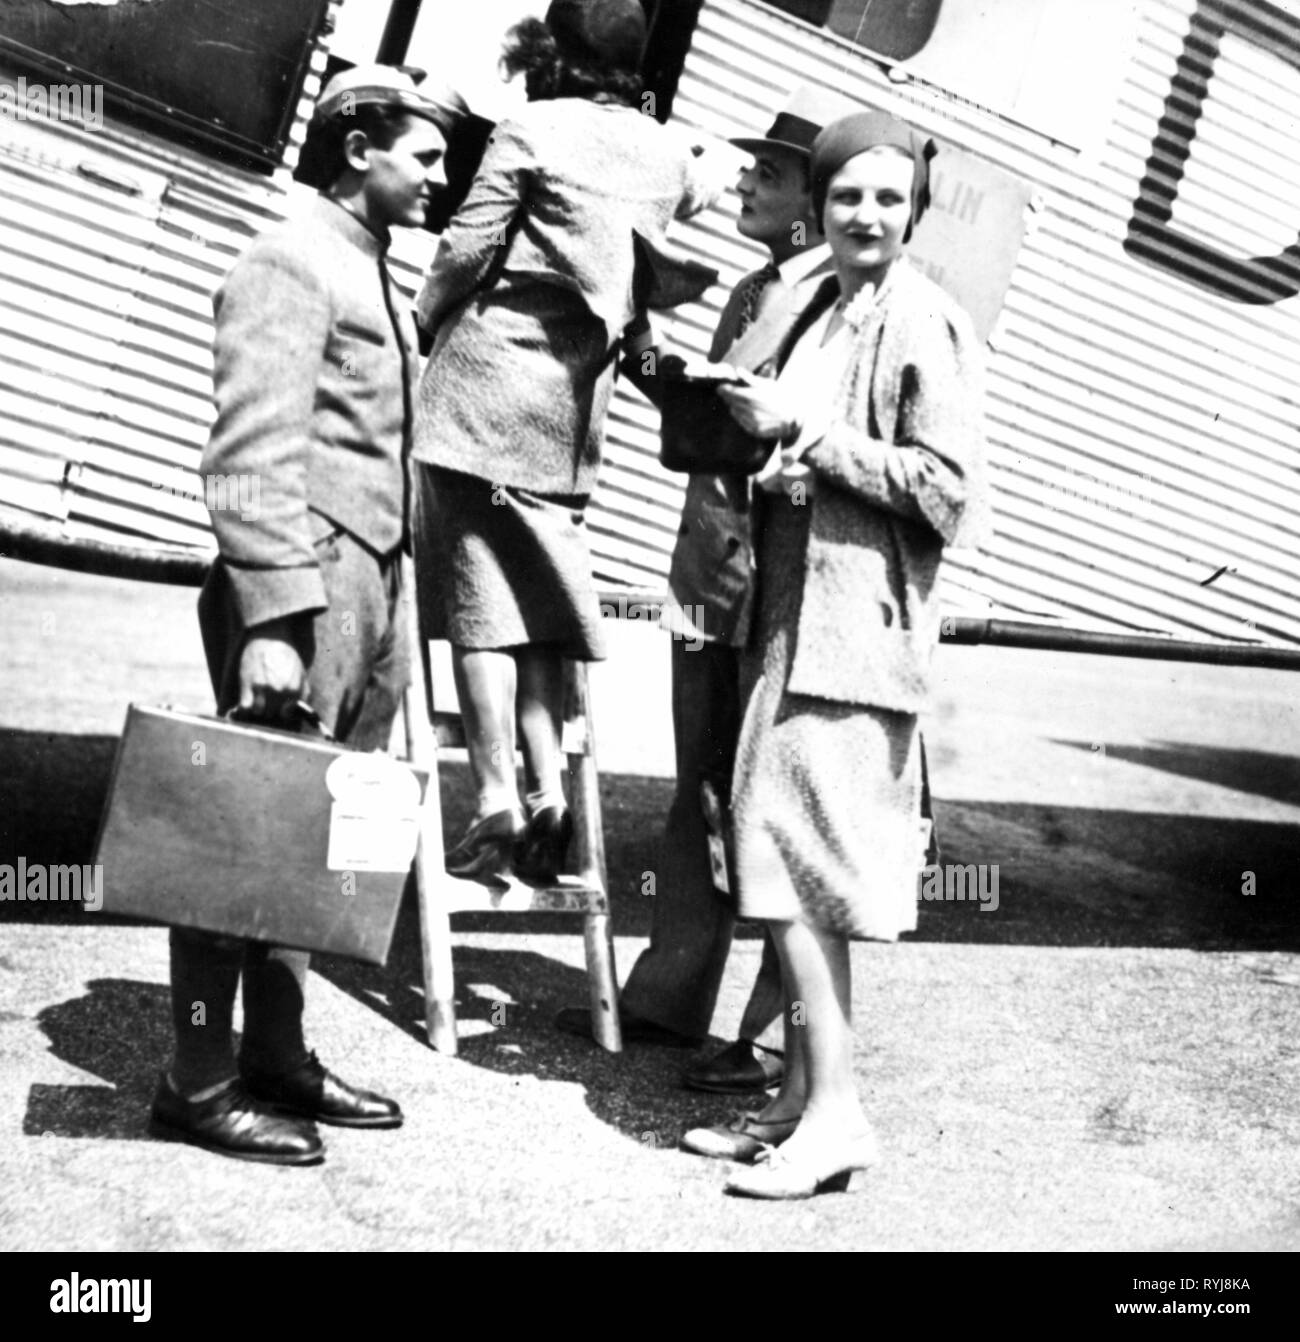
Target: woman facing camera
[(527, 300), (876, 466)]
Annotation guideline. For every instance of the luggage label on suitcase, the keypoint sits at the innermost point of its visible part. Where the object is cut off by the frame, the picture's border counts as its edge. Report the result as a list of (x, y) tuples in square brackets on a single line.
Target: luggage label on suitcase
[(375, 818)]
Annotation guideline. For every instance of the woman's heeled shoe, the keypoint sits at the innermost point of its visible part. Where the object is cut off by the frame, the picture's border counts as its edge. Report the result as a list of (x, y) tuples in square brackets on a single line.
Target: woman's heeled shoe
[(487, 846), (540, 854), (778, 1176), (744, 1139)]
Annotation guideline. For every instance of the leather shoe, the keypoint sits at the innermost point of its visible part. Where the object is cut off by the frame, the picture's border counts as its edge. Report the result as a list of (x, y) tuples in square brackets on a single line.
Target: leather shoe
[(636, 1030), (312, 1092), (540, 854), (232, 1123), (486, 847), (738, 1069), (744, 1139)]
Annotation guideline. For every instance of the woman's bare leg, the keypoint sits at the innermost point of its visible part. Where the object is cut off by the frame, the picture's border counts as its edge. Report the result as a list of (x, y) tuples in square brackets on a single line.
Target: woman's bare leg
[(789, 1100), (541, 710), (486, 687), (821, 1014)]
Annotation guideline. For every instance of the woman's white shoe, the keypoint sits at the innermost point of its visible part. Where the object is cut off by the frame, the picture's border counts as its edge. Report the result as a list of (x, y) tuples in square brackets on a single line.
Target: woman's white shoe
[(778, 1175)]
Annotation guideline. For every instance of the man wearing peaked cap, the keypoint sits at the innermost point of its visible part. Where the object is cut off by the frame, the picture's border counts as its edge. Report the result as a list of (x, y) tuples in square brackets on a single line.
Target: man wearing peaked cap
[(400, 88), (363, 92), (671, 992), (314, 366)]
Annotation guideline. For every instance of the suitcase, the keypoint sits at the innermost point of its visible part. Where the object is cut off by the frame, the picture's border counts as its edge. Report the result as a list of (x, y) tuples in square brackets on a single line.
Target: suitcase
[(260, 833)]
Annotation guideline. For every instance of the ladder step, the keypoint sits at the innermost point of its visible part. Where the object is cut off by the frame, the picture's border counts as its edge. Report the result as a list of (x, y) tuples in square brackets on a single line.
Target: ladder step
[(570, 894)]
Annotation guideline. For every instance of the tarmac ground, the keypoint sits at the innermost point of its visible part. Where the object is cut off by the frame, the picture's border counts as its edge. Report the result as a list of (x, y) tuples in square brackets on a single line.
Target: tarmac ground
[(1110, 1060)]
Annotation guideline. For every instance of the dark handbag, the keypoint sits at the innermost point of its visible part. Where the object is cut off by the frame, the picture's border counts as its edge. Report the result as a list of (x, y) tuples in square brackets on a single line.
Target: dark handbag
[(697, 432)]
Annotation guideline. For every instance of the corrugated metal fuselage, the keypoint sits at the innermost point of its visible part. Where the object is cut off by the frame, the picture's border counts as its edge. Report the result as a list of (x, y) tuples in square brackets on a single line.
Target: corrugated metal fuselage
[(1141, 411)]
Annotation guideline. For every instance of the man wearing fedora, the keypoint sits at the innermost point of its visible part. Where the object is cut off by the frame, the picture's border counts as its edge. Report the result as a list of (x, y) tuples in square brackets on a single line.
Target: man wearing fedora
[(669, 997), (314, 368)]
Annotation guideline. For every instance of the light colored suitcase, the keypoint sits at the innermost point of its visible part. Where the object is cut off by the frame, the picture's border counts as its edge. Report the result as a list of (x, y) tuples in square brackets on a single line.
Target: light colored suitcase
[(254, 832)]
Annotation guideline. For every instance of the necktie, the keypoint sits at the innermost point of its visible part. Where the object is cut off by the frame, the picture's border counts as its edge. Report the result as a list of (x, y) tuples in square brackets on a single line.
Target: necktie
[(385, 284), (752, 288)]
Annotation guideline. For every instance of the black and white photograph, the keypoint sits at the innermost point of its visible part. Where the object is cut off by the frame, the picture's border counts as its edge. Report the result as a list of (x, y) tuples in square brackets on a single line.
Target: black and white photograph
[(650, 626)]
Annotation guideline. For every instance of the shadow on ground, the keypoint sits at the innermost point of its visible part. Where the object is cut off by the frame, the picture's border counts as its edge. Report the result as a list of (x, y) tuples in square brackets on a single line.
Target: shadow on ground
[(1067, 876), (119, 1030), (1072, 876), (52, 791), (506, 1001), (1255, 772)]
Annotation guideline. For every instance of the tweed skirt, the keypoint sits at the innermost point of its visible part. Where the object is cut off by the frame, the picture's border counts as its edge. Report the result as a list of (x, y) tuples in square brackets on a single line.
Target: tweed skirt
[(826, 797), (499, 567)]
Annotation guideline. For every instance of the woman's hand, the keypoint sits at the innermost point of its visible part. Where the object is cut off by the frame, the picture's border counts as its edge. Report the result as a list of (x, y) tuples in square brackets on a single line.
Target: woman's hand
[(763, 409)]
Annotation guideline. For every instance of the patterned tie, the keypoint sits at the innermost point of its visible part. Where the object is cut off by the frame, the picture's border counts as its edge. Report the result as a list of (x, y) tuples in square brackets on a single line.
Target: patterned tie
[(752, 289)]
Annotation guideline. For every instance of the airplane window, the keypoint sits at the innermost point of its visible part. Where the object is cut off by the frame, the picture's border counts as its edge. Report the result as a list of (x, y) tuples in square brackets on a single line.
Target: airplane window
[(1053, 66), (222, 73), (897, 29)]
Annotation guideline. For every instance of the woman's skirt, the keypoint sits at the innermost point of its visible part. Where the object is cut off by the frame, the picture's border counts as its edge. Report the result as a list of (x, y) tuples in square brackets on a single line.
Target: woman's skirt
[(497, 566), (826, 797)]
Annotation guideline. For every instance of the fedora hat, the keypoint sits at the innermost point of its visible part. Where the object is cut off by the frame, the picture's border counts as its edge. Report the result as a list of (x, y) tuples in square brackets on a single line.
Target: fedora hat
[(800, 121)]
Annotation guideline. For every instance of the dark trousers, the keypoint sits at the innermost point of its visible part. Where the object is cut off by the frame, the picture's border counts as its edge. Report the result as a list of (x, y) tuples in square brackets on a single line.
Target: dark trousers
[(358, 666), (675, 981)]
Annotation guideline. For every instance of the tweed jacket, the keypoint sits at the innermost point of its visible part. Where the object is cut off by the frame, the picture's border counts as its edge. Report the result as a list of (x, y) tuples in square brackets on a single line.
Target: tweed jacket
[(710, 581), (900, 474), (314, 369), (532, 286)]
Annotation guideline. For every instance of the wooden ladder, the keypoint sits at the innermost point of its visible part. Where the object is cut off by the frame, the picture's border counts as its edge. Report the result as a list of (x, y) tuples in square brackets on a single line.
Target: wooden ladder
[(585, 891)]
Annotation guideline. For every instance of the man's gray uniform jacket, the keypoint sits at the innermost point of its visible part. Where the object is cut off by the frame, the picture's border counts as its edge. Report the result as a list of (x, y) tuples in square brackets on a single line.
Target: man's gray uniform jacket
[(313, 397)]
